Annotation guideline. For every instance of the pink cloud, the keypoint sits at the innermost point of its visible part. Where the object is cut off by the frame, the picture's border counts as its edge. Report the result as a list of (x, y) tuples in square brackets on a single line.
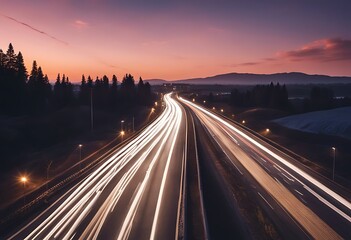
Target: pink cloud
[(324, 50), (80, 24)]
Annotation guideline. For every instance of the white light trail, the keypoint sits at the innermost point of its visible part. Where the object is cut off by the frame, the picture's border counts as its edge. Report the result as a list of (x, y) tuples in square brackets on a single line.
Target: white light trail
[(67, 217), (303, 174)]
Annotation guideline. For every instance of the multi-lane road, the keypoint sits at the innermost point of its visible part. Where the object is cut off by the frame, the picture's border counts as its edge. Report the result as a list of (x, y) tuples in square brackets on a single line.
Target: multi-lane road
[(298, 197), (137, 191)]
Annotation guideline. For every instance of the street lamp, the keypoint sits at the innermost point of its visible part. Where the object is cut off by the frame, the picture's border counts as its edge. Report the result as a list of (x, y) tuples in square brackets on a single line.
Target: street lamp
[(213, 108), (243, 122), (204, 101), (334, 153), (80, 152), (267, 130), (122, 121), (222, 110), (24, 179), (122, 134), (193, 99), (155, 103), (152, 110)]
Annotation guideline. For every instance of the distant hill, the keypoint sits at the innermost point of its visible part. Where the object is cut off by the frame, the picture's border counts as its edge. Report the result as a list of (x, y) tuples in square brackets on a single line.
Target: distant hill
[(156, 81), (252, 79)]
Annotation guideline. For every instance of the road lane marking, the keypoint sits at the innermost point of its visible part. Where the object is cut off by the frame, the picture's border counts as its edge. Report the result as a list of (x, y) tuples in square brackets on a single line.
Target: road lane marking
[(164, 177), (303, 174), (348, 218), (298, 192), (265, 200)]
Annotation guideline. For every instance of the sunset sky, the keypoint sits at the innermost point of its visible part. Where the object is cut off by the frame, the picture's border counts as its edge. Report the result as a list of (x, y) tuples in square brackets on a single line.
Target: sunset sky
[(179, 39)]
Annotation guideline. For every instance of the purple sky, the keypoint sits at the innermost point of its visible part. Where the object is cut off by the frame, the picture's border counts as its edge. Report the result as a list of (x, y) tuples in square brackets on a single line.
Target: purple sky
[(179, 39)]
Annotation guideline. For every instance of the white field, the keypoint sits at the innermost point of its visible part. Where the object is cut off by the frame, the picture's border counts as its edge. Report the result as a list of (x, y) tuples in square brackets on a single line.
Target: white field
[(330, 122)]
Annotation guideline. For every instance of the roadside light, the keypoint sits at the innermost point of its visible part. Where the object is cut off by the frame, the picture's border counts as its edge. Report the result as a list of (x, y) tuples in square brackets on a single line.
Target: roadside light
[(222, 110), (267, 130), (233, 115), (152, 110), (24, 180), (204, 101), (155, 103), (193, 99), (80, 152), (243, 122), (213, 108), (122, 133)]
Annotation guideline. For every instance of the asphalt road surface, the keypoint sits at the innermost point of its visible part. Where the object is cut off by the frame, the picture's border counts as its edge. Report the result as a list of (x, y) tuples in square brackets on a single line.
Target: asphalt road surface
[(296, 196), (136, 190), (135, 193)]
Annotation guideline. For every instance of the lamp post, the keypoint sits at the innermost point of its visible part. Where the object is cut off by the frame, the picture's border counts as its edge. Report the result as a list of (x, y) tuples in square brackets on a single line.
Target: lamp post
[(24, 179), (122, 125), (122, 134), (334, 154), (80, 152)]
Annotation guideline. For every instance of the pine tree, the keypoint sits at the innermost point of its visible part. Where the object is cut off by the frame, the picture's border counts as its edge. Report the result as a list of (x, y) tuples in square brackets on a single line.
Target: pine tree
[(114, 82), (33, 74), (22, 74), (90, 82), (128, 85), (2, 60), (113, 93), (11, 58), (84, 93), (39, 89)]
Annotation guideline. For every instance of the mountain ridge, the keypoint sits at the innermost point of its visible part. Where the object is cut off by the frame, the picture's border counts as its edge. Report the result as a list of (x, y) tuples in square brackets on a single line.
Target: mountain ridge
[(252, 78)]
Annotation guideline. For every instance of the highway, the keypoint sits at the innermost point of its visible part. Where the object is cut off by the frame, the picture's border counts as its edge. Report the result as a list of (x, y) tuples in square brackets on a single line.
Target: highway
[(135, 193), (298, 199)]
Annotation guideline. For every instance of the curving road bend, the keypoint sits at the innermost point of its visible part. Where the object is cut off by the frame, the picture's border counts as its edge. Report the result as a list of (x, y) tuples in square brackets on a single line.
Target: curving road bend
[(134, 193), (295, 194)]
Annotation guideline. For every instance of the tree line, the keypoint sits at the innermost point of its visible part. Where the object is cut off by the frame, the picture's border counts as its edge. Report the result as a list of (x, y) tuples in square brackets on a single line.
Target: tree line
[(271, 96), (23, 93), (322, 98)]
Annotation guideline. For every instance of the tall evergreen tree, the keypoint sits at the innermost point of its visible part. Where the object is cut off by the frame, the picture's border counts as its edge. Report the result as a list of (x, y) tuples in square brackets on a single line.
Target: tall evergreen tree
[(22, 73), (11, 58), (128, 85), (84, 92), (2, 60), (90, 82), (114, 82), (39, 89), (33, 74)]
